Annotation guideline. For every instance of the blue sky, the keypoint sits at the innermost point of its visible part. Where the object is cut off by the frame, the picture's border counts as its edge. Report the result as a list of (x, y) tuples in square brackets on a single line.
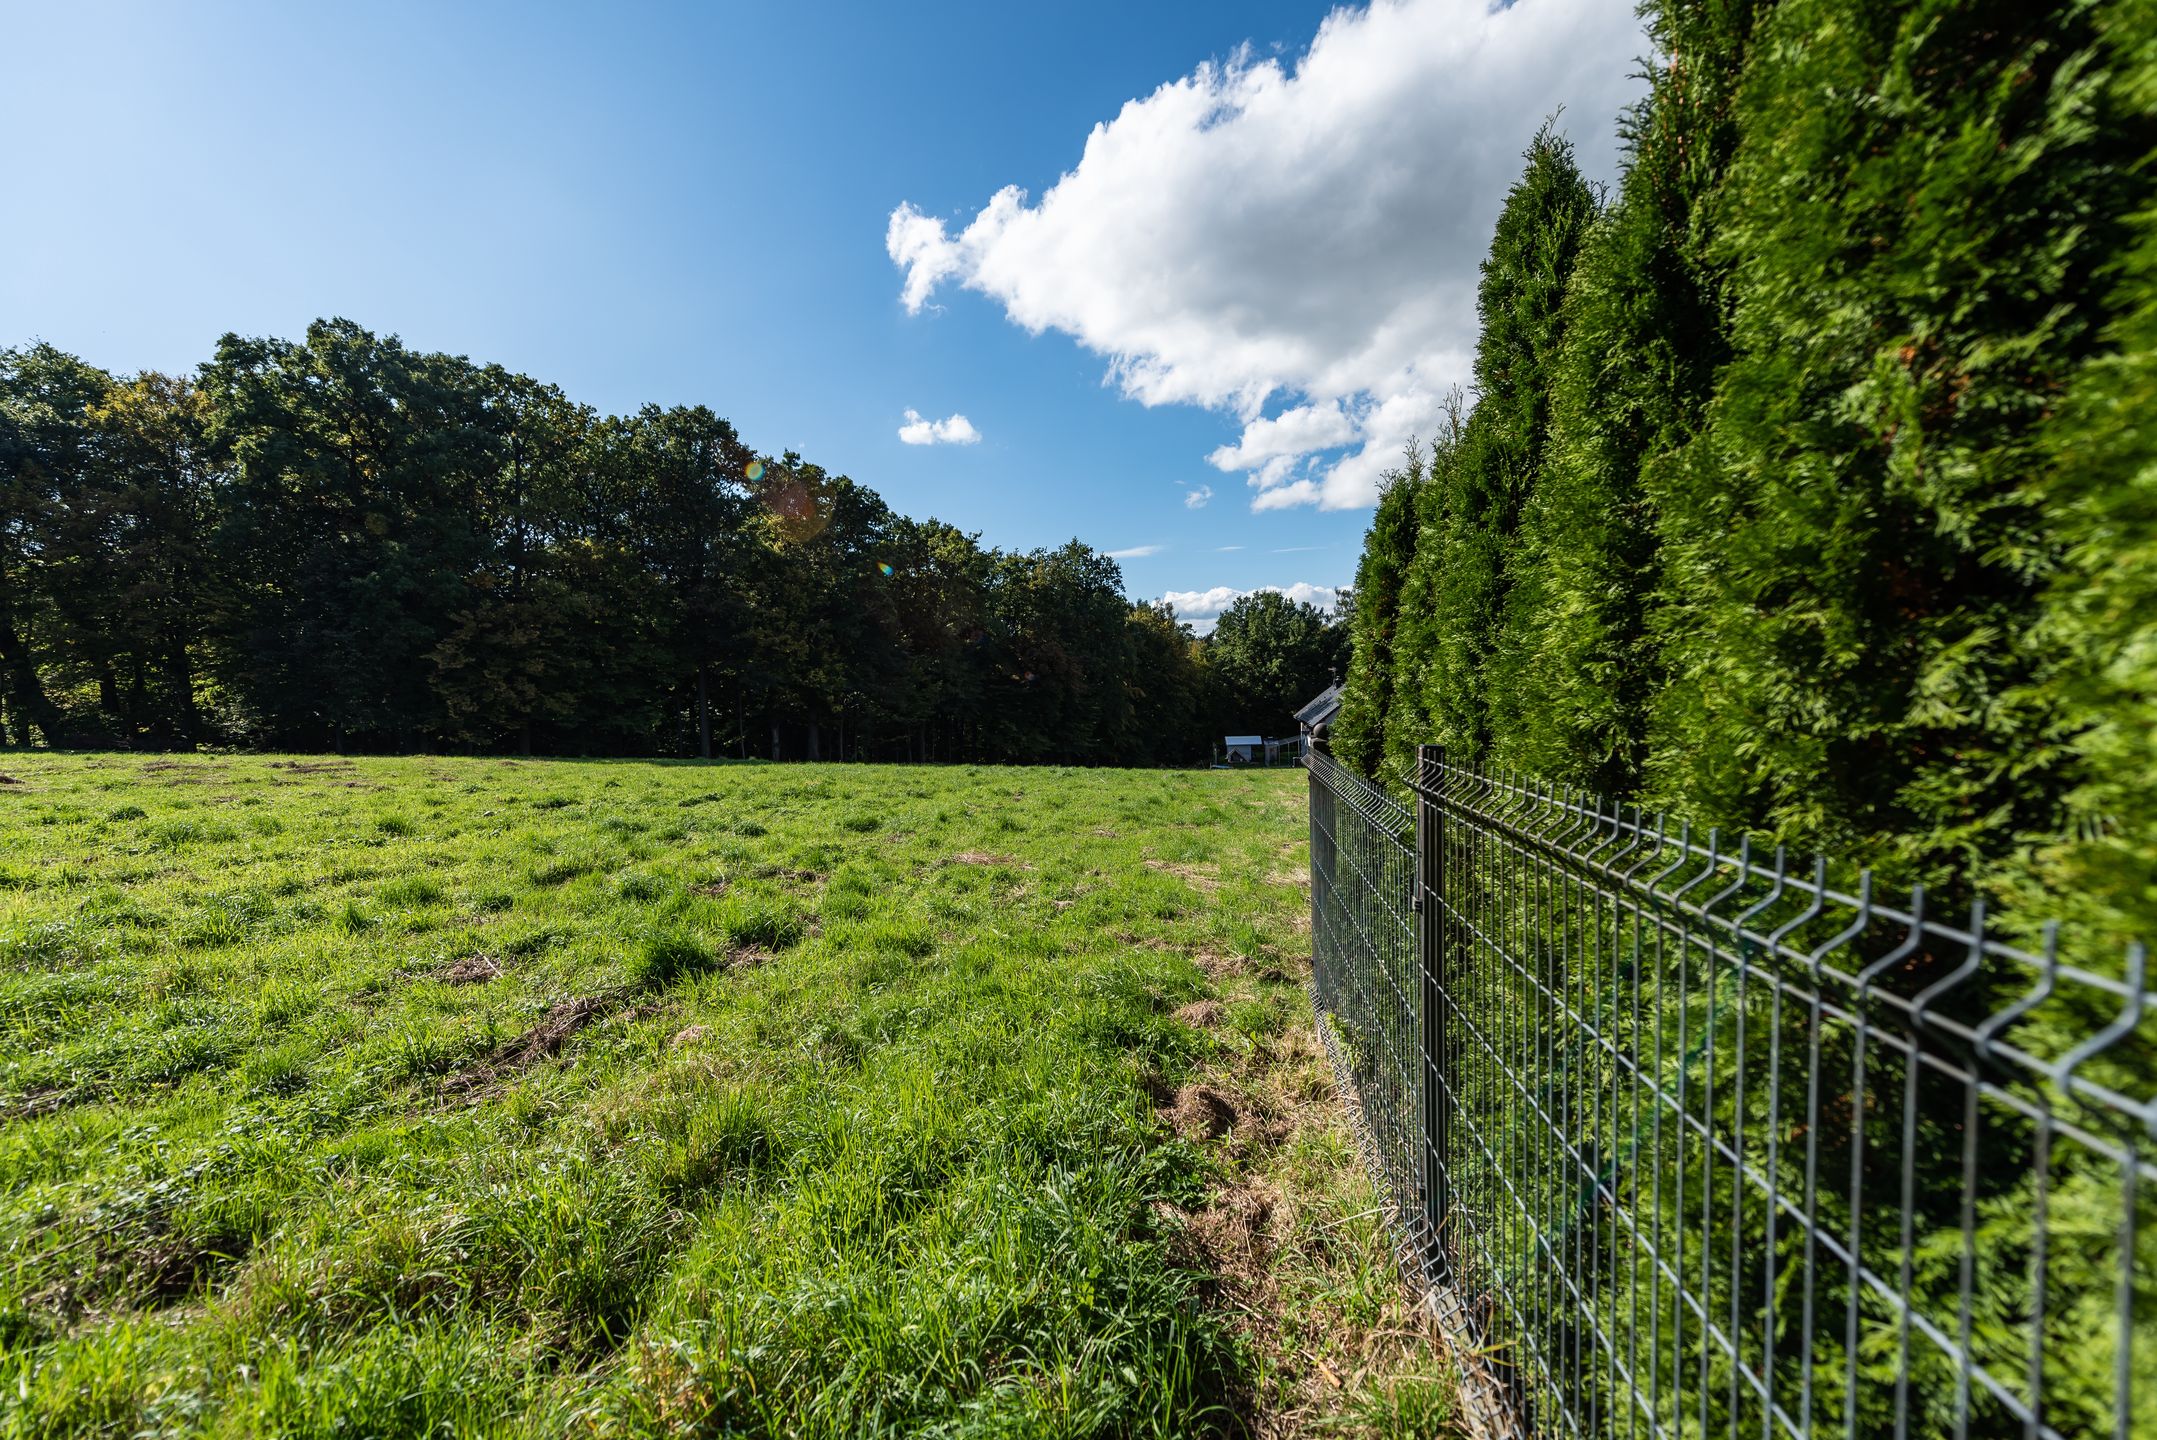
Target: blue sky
[(778, 211)]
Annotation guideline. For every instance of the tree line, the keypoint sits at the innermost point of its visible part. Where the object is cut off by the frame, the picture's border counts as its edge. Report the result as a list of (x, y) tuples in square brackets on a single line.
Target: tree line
[(342, 543), (1809, 487)]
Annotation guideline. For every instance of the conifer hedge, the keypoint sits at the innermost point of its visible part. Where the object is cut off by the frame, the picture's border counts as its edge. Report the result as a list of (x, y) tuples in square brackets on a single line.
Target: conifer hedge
[(1489, 478), (1360, 731), (1645, 340), (1805, 490), (1810, 491), (2099, 623)]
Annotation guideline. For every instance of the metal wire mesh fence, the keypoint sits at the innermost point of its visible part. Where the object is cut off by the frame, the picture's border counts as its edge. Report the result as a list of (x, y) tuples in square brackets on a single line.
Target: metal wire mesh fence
[(1706, 1146), (1365, 969)]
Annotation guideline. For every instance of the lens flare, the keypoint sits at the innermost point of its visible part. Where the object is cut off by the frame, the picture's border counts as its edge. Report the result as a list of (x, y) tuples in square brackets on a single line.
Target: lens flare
[(800, 505), (754, 470), (881, 566)]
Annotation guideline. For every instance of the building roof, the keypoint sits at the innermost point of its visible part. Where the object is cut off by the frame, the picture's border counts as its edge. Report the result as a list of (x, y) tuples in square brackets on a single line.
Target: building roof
[(1321, 710)]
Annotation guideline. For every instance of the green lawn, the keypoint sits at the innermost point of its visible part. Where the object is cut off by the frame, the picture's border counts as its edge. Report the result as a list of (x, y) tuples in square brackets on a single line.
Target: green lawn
[(446, 1096)]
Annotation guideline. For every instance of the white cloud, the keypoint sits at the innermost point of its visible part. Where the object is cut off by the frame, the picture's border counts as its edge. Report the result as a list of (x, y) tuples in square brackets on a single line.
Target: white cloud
[(916, 242), (1208, 604), (1297, 237), (1288, 436), (1202, 604), (1196, 499), (951, 430), (1136, 552)]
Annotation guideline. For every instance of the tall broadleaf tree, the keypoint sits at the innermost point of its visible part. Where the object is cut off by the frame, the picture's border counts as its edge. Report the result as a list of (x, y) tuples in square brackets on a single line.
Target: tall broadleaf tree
[(159, 488), (357, 464), (694, 522), (1272, 655), (46, 449), (510, 664)]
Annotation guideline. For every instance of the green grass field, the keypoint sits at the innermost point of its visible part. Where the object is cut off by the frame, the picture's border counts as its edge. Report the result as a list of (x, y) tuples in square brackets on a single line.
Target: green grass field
[(444, 1096)]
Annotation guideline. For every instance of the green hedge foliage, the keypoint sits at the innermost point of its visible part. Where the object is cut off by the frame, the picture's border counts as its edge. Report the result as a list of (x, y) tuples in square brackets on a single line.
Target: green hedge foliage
[(1810, 492), (1804, 491)]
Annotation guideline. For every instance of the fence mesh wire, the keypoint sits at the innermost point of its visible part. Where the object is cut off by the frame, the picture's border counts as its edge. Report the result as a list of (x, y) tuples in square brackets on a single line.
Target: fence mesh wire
[(1708, 1147)]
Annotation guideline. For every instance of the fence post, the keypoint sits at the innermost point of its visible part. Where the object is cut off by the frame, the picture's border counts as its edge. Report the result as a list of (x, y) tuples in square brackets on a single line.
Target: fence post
[(1430, 947)]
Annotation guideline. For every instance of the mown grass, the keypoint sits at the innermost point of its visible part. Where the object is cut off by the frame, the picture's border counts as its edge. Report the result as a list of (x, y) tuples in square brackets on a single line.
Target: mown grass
[(485, 1097)]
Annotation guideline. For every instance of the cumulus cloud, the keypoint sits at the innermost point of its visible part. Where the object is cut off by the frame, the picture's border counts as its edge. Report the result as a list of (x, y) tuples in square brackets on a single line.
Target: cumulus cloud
[(1208, 604), (1196, 499), (1297, 244), (1136, 552), (951, 430), (1271, 446)]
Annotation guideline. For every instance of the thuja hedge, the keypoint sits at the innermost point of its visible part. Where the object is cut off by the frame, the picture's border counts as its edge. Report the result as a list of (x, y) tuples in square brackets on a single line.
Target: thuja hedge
[(1807, 489), (1811, 493)]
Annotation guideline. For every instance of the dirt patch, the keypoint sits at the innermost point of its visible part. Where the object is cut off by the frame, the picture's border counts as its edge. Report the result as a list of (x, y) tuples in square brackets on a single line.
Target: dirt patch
[(312, 767), (542, 1042), (49, 1100), (785, 872), (9, 780), (1220, 967), (1203, 1013), (1279, 1246), (712, 891), (1233, 1239), (1216, 965), (1200, 1112), (168, 1268), (687, 1035), (562, 1021), (1198, 877), (469, 970), (984, 857)]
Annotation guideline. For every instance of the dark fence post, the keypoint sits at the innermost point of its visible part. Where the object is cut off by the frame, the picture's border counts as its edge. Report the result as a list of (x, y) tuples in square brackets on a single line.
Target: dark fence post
[(1430, 938)]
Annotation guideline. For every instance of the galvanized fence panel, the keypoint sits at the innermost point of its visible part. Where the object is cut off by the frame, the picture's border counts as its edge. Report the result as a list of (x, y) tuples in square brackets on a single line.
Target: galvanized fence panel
[(1708, 1147), (1364, 969)]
